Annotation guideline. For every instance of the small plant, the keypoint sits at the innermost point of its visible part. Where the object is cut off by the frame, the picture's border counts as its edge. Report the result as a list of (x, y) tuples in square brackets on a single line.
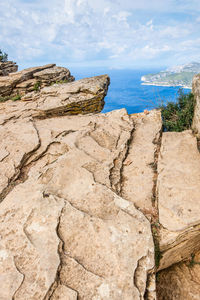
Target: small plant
[(3, 56), (16, 98), (37, 86), (4, 99), (178, 116), (60, 81), (192, 261)]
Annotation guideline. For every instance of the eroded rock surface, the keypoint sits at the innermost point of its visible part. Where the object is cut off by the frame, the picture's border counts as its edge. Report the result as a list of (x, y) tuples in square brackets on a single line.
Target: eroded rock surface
[(8, 67), (80, 97), (140, 164), (83, 197), (69, 228), (178, 190), (32, 79), (181, 281), (196, 93)]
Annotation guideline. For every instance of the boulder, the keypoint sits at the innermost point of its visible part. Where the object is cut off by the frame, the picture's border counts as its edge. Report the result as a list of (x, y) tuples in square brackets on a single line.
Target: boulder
[(32, 79), (80, 97), (8, 67)]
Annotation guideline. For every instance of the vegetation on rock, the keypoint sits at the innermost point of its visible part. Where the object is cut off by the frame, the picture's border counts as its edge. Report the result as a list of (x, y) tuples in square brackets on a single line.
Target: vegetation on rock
[(37, 86), (178, 116), (3, 56), (6, 98)]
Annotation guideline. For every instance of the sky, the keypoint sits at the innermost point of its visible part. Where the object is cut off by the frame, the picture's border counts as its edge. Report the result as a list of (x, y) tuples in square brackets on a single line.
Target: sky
[(101, 33)]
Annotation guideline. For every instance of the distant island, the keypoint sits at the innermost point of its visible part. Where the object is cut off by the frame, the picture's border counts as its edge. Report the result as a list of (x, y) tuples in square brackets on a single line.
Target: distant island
[(175, 76)]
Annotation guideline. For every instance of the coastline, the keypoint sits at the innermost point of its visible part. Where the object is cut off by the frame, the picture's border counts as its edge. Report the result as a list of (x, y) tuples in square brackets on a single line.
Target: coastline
[(167, 85)]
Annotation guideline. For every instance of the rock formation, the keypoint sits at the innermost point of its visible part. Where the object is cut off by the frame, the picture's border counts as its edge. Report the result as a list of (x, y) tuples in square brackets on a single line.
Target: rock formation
[(93, 205), (79, 97), (32, 79), (196, 92), (180, 281), (7, 67)]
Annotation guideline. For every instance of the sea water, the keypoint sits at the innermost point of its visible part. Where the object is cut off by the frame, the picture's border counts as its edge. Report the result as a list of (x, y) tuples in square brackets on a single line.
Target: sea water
[(126, 89)]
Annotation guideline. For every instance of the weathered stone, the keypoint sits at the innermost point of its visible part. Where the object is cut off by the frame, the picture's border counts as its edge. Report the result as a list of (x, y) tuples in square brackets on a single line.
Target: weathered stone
[(28, 224), (65, 231), (7, 67), (178, 189), (64, 293), (52, 75), (15, 150), (32, 79), (181, 281), (140, 165), (196, 93), (80, 97)]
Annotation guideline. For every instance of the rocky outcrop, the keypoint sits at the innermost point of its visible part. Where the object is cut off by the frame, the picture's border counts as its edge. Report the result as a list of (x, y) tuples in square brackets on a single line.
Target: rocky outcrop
[(196, 93), (33, 79), (178, 189), (79, 97), (93, 205), (65, 231), (8, 67), (69, 226)]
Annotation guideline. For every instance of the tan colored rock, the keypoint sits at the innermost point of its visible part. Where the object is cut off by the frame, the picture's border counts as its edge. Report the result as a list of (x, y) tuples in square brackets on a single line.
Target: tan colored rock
[(28, 223), (80, 97), (7, 67), (52, 75), (17, 144), (196, 93), (178, 189), (67, 232), (31, 79), (139, 165), (62, 293), (181, 281)]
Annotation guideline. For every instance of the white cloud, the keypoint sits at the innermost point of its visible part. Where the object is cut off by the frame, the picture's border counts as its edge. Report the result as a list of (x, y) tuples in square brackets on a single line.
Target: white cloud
[(107, 30)]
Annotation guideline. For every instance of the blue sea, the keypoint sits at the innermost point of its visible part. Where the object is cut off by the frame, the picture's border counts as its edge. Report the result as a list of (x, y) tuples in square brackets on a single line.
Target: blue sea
[(126, 91)]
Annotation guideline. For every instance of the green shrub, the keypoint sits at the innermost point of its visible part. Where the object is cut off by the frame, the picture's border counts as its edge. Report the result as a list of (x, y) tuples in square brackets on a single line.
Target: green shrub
[(60, 81), (178, 116), (4, 99), (3, 56), (37, 86), (16, 98)]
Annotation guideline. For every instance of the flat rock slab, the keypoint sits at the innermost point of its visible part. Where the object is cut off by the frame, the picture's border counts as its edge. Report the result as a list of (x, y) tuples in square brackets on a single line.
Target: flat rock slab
[(139, 166), (196, 93), (66, 233), (80, 97), (178, 189)]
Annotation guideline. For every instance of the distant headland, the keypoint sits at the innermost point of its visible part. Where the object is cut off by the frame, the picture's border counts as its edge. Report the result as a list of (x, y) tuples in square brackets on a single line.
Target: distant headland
[(176, 76)]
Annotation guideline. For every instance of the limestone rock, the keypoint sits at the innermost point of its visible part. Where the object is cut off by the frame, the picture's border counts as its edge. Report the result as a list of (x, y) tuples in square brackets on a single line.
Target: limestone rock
[(139, 165), (79, 97), (8, 67), (178, 189), (32, 79), (181, 281), (66, 232), (196, 93)]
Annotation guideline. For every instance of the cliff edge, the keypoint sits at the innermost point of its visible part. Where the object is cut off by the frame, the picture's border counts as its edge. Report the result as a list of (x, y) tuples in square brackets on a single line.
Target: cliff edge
[(92, 205)]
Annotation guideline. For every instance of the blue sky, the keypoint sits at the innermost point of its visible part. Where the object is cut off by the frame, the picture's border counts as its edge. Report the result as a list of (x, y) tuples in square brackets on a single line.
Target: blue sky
[(92, 33)]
